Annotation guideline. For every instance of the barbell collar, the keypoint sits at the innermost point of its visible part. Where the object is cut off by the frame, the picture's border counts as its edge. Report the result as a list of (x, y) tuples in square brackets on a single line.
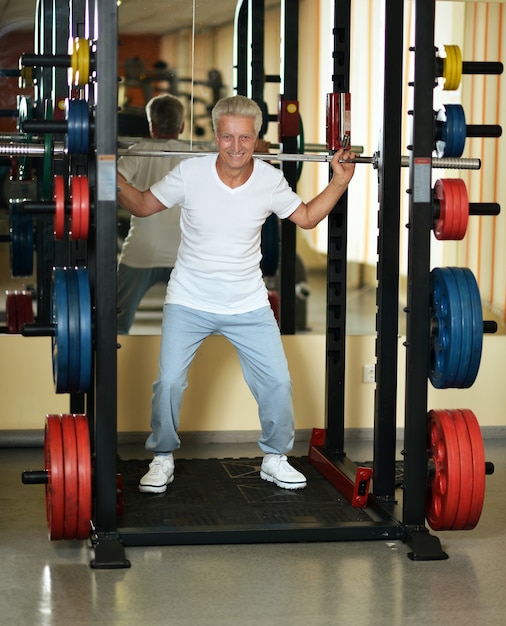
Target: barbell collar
[(31, 149)]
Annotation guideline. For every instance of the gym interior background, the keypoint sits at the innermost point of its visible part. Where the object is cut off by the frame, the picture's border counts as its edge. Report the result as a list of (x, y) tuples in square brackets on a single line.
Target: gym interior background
[(221, 411), (222, 397)]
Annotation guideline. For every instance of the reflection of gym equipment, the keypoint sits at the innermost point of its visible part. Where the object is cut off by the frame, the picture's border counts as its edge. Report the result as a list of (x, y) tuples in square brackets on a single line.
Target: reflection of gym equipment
[(163, 79)]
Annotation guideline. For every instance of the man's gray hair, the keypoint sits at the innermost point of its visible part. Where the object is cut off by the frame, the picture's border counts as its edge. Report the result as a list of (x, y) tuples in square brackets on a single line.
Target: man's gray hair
[(237, 105), (165, 114)]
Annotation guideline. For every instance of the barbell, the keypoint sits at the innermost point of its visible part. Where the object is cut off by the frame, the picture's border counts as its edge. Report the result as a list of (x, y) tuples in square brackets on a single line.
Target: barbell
[(58, 150), (442, 163)]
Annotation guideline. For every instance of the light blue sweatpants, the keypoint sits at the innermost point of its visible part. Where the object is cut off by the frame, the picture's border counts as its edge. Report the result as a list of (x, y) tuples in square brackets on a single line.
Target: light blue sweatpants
[(256, 338)]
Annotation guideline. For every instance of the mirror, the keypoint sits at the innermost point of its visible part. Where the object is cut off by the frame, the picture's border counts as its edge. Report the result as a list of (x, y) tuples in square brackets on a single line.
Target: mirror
[(198, 50)]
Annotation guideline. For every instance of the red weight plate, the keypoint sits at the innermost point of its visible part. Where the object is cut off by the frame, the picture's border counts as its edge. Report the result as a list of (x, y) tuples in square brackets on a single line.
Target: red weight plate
[(55, 487), (443, 225), (75, 202), (59, 210), (461, 208), (25, 304), (70, 468), (11, 312), (119, 496), (466, 469), (478, 473), (84, 476), (85, 207), (444, 489)]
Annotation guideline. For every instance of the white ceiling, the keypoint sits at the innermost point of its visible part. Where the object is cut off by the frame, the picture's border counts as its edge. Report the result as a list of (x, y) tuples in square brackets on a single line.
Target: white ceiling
[(138, 16)]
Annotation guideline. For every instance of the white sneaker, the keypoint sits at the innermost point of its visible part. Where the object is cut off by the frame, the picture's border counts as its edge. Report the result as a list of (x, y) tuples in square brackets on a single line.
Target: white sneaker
[(160, 474), (276, 469)]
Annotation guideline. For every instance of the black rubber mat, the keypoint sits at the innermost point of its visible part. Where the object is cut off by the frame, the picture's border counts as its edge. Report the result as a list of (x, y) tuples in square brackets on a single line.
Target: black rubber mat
[(221, 492)]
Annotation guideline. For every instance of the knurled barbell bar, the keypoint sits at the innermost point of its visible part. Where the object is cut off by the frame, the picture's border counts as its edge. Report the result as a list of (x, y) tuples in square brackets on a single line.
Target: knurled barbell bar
[(444, 163), (78, 208), (58, 150)]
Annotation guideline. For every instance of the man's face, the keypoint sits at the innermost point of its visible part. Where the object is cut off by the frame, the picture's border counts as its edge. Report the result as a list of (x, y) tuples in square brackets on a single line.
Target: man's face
[(236, 138)]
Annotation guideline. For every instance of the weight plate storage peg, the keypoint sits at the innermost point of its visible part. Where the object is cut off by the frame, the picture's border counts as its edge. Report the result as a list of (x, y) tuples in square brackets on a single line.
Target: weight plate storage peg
[(456, 485), (456, 328)]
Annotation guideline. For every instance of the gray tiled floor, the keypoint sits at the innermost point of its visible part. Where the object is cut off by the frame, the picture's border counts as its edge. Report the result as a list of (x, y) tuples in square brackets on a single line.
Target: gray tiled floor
[(346, 583)]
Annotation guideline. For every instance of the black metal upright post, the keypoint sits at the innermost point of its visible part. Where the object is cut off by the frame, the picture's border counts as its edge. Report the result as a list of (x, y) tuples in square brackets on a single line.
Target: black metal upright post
[(336, 255), (424, 545), (290, 26), (241, 47), (387, 296), (109, 552)]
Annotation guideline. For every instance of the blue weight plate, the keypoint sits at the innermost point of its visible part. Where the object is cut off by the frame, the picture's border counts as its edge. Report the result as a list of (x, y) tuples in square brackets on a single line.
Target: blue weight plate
[(21, 243), (75, 127), (477, 328), (445, 346), (467, 328), (78, 119), (270, 246), (455, 130), (74, 330), (85, 324), (60, 339), (72, 135)]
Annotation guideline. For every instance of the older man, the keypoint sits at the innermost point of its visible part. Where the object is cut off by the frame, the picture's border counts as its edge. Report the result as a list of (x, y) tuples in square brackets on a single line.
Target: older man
[(217, 286)]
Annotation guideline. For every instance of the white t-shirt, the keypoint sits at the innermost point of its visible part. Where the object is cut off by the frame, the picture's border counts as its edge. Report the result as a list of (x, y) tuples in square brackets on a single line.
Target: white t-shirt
[(218, 263), (151, 241)]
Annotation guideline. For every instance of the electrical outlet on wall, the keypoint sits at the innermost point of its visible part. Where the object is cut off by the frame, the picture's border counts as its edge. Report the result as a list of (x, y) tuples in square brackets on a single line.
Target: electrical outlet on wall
[(369, 374)]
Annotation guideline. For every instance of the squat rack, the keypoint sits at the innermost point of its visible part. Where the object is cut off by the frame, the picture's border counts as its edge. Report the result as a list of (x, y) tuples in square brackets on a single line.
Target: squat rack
[(327, 451)]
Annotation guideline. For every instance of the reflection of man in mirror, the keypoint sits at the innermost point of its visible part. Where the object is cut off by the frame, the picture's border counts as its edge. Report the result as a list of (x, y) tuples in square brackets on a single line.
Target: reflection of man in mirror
[(149, 251), (217, 284)]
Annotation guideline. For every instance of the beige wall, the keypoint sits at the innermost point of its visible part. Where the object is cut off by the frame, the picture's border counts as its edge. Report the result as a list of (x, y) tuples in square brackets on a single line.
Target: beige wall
[(217, 398)]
